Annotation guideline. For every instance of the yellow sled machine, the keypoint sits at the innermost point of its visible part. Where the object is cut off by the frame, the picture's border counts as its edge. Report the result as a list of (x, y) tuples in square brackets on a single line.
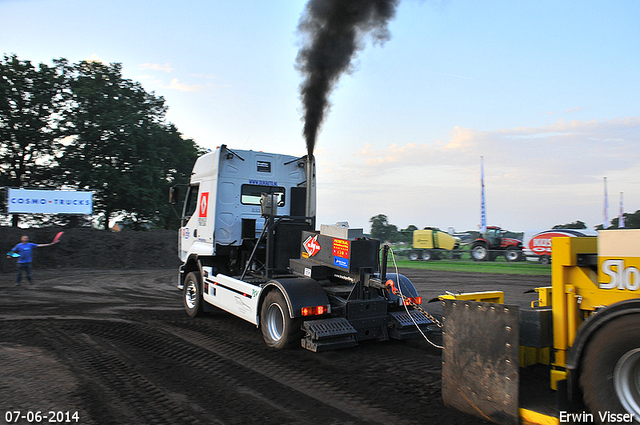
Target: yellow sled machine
[(582, 334)]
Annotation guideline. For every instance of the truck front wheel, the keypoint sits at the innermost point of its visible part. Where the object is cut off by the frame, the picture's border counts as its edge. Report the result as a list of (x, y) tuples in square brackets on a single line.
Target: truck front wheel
[(278, 329), (610, 378), (192, 294)]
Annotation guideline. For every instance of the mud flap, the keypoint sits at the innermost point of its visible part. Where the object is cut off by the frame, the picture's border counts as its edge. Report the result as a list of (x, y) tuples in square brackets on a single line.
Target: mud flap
[(480, 359), (402, 324), (328, 334)]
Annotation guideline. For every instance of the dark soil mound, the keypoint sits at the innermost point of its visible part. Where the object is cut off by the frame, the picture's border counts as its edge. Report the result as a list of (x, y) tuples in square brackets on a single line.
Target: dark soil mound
[(95, 249)]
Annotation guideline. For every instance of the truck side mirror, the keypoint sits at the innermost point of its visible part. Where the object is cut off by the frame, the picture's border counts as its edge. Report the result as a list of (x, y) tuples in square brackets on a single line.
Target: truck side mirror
[(174, 194)]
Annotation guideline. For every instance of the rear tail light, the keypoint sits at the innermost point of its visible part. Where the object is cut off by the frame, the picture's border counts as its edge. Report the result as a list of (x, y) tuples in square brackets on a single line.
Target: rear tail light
[(318, 310)]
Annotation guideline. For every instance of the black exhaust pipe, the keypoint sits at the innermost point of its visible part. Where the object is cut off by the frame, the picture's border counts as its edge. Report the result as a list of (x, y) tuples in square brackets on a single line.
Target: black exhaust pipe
[(310, 204)]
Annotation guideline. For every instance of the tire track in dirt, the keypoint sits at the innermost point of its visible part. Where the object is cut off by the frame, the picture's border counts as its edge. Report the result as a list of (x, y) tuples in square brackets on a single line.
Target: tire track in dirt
[(378, 382), (218, 357), (112, 391), (131, 351), (314, 386)]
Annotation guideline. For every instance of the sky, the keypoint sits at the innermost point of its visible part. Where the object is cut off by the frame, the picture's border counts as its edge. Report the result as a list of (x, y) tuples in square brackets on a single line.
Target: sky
[(546, 92)]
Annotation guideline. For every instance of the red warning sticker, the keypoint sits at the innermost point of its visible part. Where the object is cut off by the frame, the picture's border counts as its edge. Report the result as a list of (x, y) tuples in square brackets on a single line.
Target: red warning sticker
[(341, 248), (311, 245)]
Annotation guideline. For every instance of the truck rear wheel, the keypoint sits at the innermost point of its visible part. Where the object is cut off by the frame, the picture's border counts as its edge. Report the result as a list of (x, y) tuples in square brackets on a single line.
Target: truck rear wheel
[(427, 255), (610, 378), (192, 294), (278, 329), (413, 255)]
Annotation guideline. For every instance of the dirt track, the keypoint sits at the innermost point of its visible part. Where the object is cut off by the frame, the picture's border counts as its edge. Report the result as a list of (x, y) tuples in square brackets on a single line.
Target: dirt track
[(117, 347)]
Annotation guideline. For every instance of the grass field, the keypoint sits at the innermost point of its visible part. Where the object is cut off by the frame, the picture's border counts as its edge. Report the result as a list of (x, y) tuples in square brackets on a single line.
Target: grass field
[(500, 265)]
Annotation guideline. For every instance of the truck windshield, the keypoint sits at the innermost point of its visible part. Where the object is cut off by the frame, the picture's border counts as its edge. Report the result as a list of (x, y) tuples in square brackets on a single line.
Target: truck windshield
[(251, 193)]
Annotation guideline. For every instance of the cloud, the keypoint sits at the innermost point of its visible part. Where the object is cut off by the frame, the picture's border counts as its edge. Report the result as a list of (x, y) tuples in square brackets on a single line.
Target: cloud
[(584, 147), (205, 76), (176, 85), (157, 67), (576, 109), (149, 78), (210, 77), (535, 176), (95, 58)]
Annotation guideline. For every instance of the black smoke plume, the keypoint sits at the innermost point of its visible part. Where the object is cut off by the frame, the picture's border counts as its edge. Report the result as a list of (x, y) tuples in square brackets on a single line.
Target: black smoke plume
[(333, 32)]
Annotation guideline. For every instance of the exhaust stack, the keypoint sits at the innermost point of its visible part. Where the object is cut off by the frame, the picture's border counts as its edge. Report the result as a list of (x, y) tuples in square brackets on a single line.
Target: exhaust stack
[(310, 204)]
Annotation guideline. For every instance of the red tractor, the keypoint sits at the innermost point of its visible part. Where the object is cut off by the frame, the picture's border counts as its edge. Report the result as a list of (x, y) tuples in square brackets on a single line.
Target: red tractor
[(493, 243)]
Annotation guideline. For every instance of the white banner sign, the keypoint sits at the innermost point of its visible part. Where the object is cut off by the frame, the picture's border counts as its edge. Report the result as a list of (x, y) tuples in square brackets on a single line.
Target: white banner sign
[(33, 201)]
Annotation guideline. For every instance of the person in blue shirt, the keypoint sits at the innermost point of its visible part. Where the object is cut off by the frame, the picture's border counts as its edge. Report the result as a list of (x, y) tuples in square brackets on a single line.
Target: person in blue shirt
[(25, 250)]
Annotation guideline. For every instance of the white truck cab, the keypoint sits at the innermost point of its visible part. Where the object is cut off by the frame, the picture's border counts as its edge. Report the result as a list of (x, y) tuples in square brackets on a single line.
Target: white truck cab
[(224, 194), (248, 246)]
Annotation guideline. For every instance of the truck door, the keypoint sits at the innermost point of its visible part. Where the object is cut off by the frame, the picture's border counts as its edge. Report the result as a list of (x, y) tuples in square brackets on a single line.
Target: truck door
[(189, 220)]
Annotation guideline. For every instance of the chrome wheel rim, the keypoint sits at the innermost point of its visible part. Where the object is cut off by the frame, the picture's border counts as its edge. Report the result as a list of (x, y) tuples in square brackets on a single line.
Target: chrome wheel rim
[(191, 295), (626, 380), (275, 322)]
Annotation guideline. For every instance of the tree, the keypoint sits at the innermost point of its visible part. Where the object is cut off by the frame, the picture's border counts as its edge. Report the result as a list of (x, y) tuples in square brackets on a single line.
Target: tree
[(382, 230), (406, 235), (631, 221), (177, 156), (31, 115), (575, 225), (84, 126), (121, 146), (379, 225), (392, 233)]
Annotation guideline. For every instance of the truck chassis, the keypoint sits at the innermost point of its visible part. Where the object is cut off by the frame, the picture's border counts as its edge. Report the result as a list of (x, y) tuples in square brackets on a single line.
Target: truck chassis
[(320, 289)]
